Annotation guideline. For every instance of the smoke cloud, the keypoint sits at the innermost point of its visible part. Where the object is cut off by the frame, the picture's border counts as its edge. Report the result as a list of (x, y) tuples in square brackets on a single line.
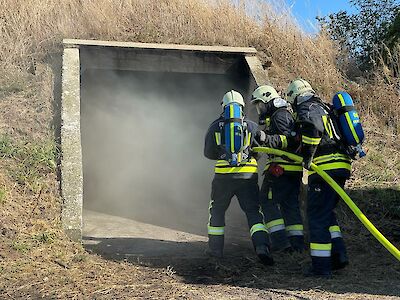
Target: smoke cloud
[(142, 141)]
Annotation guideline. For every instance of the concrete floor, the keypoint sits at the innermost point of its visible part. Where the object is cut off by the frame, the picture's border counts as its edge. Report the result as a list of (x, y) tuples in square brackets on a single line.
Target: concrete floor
[(116, 237)]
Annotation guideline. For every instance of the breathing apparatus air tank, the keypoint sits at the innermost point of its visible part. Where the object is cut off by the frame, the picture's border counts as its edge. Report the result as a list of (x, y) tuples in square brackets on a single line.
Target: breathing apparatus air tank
[(234, 133), (349, 122)]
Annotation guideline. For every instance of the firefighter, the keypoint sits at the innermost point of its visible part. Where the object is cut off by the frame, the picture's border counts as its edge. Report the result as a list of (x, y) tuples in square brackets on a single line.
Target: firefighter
[(320, 146), (240, 181), (281, 184)]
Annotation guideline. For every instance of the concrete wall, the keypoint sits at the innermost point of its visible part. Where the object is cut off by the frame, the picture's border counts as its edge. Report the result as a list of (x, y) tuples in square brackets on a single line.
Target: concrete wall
[(104, 88)]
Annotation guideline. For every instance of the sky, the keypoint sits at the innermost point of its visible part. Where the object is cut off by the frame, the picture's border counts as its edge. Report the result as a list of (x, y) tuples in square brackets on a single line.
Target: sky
[(306, 10)]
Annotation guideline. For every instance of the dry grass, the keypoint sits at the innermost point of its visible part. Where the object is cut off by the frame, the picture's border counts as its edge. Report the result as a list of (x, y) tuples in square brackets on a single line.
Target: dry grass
[(31, 32)]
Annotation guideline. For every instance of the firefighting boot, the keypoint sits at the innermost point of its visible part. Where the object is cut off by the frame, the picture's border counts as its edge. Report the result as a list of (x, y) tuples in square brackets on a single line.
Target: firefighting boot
[(297, 243), (279, 241), (264, 255), (320, 268), (215, 246), (339, 255)]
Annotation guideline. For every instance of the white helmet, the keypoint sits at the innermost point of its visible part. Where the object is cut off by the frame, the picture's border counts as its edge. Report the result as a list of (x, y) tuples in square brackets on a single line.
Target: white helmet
[(232, 97), (296, 88), (264, 93)]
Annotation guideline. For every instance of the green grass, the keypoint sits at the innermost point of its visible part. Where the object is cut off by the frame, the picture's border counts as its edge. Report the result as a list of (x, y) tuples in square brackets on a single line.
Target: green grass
[(32, 159), (44, 238), (20, 246)]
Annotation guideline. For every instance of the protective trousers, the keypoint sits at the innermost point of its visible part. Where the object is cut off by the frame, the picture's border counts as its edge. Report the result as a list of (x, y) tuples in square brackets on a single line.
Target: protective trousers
[(326, 243), (281, 209), (246, 191)]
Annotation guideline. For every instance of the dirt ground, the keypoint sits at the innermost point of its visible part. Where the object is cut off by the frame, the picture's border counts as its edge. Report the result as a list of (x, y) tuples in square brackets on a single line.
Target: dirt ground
[(180, 256), (127, 259)]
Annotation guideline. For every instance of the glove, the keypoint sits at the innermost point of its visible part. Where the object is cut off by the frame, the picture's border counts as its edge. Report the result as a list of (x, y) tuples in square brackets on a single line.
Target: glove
[(306, 163), (260, 137), (294, 140)]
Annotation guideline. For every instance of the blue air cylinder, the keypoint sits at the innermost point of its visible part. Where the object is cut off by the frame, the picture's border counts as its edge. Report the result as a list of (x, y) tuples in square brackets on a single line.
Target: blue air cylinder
[(233, 132), (349, 121)]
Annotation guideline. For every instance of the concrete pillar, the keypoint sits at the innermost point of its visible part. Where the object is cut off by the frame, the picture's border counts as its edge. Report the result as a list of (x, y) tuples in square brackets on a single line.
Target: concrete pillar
[(258, 74), (71, 161)]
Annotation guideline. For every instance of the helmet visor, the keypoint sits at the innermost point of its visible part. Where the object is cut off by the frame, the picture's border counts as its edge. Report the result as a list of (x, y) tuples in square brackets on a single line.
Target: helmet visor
[(259, 107)]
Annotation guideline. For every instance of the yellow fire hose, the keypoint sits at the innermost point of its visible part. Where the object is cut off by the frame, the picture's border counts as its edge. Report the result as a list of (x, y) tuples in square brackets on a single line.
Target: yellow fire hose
[(374, 231)]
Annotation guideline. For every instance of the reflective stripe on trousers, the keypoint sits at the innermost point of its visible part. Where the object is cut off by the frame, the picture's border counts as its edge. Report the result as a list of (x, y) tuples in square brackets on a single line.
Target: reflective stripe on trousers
[(321, 250), (214, 230), (295, 230), (275, 225), (335, 232), (257, 227)]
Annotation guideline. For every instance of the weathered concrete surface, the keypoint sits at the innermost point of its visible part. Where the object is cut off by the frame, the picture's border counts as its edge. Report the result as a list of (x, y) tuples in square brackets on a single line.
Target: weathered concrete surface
[(157, 60), (241, 63), (113, 236), (71, 162), (191, 48), (109, 235), (257, 72)]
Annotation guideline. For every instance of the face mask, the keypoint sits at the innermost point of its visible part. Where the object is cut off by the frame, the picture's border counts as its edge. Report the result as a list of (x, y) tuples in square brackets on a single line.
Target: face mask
[(279, 102)]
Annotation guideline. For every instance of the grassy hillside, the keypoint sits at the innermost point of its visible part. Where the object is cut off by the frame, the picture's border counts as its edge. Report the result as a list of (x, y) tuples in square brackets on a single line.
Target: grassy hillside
[(34, 253)]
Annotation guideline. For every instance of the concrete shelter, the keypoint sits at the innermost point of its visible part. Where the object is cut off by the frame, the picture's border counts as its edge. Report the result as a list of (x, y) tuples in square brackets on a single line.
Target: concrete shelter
[(182, 75)]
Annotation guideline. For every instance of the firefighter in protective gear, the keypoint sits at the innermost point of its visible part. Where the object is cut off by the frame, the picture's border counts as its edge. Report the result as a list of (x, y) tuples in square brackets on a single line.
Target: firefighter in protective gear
[(229, 181), (320, 145), (281, 184)]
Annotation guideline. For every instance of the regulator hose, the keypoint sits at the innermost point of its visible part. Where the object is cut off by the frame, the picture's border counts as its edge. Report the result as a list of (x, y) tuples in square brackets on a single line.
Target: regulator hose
[(374, 231)]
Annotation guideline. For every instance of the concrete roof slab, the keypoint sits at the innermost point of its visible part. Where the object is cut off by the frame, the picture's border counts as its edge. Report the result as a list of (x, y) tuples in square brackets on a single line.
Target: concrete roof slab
[(71, 43)]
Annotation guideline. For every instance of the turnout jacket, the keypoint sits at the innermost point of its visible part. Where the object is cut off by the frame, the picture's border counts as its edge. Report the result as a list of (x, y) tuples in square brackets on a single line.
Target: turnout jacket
[(214, 149), (318, 136), (279, 136)]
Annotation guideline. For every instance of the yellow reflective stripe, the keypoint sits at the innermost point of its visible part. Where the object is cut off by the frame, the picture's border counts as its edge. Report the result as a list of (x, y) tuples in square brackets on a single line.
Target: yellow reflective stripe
[(294, 227), (327, 126), (274, 223), (224, 163), (248, 139), (236, 170), (232, 129), (257, 227), (342, 100), (333, 166), (350, 123), (269, 194), (334, 156), (347, 115), (316, 246), (284, 141), (212, 230), (334, 228), (310, 140), (284, 164), (287, 167), (335, 232), (218, 138), (291, 168)]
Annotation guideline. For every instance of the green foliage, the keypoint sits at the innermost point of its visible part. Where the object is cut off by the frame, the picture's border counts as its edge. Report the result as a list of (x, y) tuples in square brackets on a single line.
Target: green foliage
[(20, 246), (44, 237), (364, 33), (33, 160)]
